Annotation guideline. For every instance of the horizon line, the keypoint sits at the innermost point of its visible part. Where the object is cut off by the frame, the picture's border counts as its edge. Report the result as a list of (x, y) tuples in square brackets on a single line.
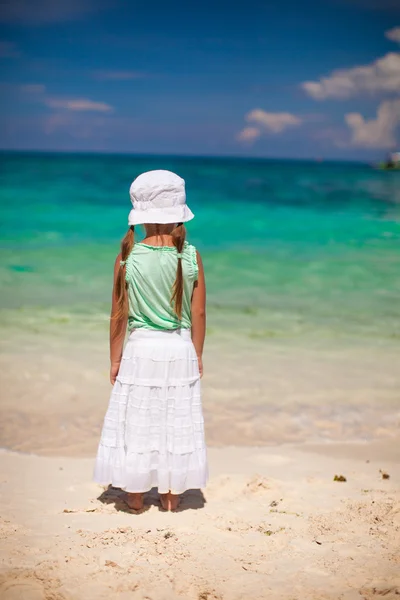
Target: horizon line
[(316, 160)]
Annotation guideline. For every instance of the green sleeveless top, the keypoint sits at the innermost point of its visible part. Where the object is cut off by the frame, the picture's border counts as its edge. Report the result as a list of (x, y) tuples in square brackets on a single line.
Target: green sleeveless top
[(150, 274)]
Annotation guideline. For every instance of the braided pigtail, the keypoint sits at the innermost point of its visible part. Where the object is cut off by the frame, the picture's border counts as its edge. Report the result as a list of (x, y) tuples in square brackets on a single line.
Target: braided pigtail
[(178, 238), (120, 283)]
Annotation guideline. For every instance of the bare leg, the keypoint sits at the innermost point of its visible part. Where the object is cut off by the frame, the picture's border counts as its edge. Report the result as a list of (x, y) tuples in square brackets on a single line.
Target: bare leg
[(164, 501), (134, 501), (174, 501), (169, 501)]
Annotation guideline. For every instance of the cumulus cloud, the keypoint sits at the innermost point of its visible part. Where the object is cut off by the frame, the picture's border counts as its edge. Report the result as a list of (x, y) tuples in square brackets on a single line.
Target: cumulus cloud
[(393, 34), (117, 75), (269, 122), (274, 122), (248, 134), (378, 132), (382, 75), (77, 104)]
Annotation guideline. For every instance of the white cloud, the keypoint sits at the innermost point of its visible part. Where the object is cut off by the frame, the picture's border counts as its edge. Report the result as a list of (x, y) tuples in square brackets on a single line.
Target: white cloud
[(379, 132), (393, 34), (382, 75), (266, 122), (274, 122), (9, 50), (77, 104), (248, 134), (36, 92), (117, 75)]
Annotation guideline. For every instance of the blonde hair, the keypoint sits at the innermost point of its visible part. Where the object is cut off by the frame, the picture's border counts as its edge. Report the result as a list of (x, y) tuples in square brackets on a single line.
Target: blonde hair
[(178, 238)]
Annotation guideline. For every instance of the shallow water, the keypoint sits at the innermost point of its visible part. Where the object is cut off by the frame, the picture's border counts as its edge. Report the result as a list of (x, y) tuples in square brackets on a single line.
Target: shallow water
[(302, 263), (303, 248)]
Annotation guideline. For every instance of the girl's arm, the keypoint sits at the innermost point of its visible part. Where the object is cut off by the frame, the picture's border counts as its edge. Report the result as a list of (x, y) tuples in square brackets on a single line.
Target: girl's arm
[(117, 329), (199, 313)]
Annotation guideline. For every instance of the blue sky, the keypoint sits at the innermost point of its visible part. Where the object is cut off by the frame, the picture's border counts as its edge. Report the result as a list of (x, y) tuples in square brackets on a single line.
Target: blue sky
[(294, 79)]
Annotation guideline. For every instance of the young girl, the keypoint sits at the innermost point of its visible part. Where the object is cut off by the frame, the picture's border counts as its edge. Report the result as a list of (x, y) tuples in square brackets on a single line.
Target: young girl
[(153, 432)]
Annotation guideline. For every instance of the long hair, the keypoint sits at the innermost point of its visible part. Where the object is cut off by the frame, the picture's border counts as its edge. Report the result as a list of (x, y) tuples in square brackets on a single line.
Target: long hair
[(120, 283), (178, 238)]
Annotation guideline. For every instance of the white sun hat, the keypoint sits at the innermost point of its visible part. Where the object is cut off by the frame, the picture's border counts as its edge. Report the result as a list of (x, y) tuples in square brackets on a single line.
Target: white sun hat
[(158, 197)]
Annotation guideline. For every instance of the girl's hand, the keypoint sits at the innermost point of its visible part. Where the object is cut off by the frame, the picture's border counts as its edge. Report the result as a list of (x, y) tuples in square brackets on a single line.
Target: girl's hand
[(200, 361), (114, 372)]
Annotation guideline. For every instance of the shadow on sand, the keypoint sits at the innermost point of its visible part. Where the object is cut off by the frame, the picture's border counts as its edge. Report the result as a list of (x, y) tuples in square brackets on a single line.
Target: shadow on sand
[(190, 500)]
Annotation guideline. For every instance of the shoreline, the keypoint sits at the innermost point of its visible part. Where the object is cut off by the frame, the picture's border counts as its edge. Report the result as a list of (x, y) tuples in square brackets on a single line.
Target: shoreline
[(357, 450), (55, 392)]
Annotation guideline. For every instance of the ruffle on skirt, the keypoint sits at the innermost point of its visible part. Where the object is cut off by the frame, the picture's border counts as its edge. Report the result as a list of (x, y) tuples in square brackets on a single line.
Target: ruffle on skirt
[(153, 431)]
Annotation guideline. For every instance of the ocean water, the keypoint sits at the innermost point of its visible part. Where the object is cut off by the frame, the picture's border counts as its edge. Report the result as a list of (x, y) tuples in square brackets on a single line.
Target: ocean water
[(292, 250), (302, 265)]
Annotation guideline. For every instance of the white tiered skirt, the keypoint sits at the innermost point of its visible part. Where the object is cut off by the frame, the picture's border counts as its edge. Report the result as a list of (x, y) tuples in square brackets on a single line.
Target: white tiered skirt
[(153, 431)]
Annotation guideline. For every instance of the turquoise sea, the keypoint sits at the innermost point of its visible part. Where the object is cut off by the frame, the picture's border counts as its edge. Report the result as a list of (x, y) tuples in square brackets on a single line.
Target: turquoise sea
[(292, 250)]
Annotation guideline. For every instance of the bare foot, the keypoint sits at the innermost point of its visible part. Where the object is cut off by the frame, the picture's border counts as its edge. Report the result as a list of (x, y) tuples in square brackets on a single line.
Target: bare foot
[(169, 501), (134, 501)]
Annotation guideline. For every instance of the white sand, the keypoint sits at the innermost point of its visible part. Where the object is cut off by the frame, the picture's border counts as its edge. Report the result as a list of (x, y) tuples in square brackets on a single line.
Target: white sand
[(272, 525)]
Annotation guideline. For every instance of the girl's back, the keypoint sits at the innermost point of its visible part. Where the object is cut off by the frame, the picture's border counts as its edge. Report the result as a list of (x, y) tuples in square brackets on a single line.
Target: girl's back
[(150, 273)]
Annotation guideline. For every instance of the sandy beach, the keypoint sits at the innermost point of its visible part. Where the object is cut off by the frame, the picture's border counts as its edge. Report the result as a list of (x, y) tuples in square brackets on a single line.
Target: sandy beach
[(271, 524), (55, 390), (301, 384), (281, 422)]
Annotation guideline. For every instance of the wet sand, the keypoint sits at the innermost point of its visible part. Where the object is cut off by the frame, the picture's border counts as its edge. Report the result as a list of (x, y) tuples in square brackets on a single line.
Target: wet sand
[(55, 391)]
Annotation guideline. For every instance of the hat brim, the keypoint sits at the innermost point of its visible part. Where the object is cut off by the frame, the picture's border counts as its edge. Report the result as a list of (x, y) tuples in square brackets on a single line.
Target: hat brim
[(172, 214)]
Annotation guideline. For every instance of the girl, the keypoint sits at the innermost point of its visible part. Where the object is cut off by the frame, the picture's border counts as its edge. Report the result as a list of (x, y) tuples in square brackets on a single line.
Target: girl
[(153, 432)]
